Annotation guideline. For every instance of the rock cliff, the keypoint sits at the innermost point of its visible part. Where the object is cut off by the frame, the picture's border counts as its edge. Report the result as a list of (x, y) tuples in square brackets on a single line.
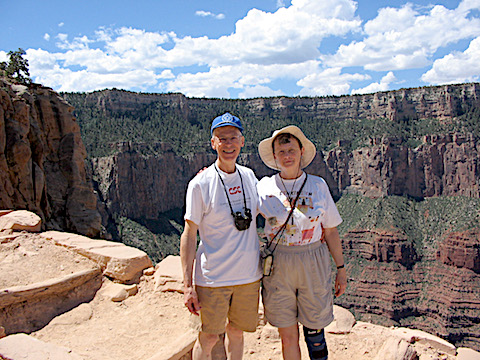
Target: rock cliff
[(42, 159), (405, 269), (439, 102), (141, 186), (443, 165)]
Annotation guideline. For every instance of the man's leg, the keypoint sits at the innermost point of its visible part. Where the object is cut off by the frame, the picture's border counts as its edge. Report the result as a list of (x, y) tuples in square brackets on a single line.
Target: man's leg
[(234, 343), (242, 316), (316, 344), (202, 350), (290, 346)]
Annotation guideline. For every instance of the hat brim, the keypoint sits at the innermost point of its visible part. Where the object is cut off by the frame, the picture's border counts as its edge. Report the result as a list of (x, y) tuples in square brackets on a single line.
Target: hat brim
[(265, 148)]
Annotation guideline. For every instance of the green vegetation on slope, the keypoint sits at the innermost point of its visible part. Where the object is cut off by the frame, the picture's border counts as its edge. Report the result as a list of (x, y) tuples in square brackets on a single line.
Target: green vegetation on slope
[(423, 222), (186, 127)]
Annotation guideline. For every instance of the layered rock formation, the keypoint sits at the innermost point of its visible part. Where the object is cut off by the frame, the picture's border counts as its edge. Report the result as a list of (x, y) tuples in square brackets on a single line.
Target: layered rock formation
[(446, 165), (139, 186), (42, 159), (461, 249), (440, 102), (437, 292)]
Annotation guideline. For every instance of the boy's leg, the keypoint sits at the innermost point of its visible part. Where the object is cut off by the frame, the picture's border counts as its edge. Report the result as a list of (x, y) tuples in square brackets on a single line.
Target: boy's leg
[(316, 344), (290, 345)]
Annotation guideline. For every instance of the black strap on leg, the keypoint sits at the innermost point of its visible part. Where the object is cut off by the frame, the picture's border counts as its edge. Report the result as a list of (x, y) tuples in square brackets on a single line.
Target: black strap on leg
[(316, 344)]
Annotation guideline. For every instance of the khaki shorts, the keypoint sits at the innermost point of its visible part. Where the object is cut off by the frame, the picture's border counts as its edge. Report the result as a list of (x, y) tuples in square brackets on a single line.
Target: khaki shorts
[(300, 287), (238, 303)]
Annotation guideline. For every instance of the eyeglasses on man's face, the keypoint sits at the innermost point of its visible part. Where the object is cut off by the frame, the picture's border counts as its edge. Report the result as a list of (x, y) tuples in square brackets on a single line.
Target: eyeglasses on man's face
[(229, 139)]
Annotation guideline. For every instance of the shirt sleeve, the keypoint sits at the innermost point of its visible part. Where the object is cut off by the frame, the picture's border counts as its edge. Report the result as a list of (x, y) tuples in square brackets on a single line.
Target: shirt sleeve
[(332, 216), (269, 205), (194, 204)]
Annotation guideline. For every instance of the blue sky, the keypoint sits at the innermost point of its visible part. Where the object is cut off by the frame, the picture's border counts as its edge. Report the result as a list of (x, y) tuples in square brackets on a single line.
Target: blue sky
[(244, 49)]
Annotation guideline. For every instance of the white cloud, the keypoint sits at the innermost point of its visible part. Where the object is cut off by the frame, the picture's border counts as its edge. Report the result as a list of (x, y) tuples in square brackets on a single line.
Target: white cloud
[(287, 36), (46, 36), (61, 24), (268, 46), (208, 13), (258, 91), (457, 67), (406, 38), (217, 81), (328, 82), (67, 80), (3, 56), (383, 85)]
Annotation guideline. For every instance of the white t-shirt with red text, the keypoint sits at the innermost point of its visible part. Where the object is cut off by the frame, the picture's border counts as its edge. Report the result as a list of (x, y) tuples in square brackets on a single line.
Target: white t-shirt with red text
[(225, 256)]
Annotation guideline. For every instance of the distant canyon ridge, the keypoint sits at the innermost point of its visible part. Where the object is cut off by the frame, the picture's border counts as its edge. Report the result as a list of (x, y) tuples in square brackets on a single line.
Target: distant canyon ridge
[(411, 228)]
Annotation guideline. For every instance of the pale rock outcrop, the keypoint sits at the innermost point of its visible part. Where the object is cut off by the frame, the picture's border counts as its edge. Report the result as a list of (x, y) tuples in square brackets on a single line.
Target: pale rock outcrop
[(413, 335), (342, 323), (169, 275), (20, 220), (117, 292), (28, 308), (179, 347), (118, 261), (396, 349), (14, 346)]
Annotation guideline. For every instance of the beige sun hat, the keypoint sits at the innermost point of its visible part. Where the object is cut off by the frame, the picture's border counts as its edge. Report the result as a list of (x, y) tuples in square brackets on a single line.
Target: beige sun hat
[(265, 148)]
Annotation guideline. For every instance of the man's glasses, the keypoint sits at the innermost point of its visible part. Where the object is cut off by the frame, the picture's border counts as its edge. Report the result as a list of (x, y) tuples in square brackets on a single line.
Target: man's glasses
[(233, 139)]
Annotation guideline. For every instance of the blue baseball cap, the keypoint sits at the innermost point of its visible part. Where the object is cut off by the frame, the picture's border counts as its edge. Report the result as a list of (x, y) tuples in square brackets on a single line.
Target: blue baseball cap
[(226, 119)]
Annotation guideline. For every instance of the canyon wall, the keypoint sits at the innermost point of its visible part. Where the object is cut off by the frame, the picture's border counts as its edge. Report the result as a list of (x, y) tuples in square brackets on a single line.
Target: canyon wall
[(439, 102), (42, 160), (412, 275), (427, 281), (138, 186)]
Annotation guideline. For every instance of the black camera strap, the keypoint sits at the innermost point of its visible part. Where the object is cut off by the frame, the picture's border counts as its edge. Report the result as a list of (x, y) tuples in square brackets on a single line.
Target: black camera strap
[(284, 226), (226, 192)]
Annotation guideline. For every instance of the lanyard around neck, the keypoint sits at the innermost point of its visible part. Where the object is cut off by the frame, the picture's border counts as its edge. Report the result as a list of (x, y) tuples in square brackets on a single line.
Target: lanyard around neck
[(284, 226), (226, 193)]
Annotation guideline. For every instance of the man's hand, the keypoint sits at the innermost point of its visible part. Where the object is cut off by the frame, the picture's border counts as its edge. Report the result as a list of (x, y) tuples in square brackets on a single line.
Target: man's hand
[(341, 282), (191, 300)]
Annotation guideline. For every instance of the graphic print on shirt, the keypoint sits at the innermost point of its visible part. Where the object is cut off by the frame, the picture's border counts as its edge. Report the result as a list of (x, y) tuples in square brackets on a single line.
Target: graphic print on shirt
[(235, 190), (300, 229), (235, 195)]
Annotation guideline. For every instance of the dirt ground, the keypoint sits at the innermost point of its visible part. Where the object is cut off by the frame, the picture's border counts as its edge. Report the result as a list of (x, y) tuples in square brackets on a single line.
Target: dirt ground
[(150, 321)]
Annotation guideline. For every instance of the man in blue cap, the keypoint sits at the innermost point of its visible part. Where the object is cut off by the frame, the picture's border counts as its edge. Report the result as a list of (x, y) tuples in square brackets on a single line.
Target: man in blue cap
[(221, 204)]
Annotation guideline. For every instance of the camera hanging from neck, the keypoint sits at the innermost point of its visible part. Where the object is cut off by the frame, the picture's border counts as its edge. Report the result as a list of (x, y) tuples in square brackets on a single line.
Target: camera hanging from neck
[(241, 221)]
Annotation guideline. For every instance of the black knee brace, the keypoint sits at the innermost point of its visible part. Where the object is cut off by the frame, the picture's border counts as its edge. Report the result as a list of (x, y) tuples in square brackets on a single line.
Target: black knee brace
[(316, 344)]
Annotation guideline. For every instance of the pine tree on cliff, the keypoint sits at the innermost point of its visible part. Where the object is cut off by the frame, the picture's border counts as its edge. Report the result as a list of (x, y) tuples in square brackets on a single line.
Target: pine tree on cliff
[(17, 67)]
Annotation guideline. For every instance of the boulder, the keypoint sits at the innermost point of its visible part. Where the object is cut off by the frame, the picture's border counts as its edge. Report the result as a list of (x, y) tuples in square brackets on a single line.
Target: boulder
[(118, 292), (413, 335), (118, 261), (21, 220), (169, 274), (343, 321)]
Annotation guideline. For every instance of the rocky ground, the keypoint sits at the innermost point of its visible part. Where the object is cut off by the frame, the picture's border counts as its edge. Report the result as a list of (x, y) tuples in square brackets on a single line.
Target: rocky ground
[(153, 322)]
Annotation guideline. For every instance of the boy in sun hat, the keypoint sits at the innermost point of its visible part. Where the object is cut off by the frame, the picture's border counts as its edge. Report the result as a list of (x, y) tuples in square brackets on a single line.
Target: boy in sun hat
[(221, 204), (301, 235)]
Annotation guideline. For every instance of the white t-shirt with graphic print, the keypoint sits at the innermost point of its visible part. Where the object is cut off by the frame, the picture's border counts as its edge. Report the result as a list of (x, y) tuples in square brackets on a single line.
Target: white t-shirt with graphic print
[(314, 209), (225, 255)]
